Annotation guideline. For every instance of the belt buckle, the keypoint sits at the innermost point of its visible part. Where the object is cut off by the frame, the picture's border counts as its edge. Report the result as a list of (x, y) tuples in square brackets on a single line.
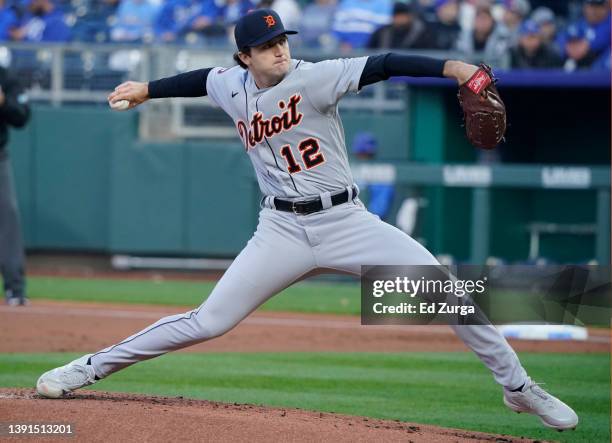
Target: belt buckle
[(294, 208)]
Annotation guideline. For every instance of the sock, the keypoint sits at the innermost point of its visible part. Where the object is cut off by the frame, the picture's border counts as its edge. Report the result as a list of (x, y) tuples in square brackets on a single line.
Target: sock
[(519, 389), (89, 363)]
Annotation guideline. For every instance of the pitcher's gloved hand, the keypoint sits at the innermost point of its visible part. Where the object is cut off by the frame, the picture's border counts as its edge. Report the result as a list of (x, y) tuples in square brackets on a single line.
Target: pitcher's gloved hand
[(483, 109)]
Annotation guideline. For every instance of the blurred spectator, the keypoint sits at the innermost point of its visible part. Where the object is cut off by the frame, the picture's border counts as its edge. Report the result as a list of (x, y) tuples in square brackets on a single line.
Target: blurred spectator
[(134, 21), (546, 19), (172, 19), (8, 20), (178, 18), (587, 42), (514, 12), (288, 10), (531, 51), (427, 9), (559, 8), (467, 12), (317, 21), (356, 20), (93, 20), (205, 21), (485, 37), (42, 22), (104, 7), (445, 30), (406, 30), (231, 10), (380, 194)]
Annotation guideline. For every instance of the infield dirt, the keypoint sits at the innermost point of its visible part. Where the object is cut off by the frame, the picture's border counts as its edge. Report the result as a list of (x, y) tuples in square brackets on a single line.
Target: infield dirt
[(99, 416), (87, 327)]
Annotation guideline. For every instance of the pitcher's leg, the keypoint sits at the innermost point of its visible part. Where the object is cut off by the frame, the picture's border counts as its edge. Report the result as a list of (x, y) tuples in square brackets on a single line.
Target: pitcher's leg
[(275, 257), (369, 241)]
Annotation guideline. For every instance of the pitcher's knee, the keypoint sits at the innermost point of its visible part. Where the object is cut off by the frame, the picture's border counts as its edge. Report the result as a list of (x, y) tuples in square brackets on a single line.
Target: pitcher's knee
[(212, 326)]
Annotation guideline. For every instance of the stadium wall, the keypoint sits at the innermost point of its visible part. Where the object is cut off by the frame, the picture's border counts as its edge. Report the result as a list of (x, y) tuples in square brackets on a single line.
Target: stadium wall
[(85, 182)]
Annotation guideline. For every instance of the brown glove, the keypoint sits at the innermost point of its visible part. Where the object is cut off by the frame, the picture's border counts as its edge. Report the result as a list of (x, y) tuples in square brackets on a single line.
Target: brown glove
[(483, 110)]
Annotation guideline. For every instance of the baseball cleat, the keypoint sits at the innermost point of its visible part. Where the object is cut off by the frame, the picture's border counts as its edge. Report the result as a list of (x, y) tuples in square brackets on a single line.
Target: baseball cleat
[(532, 399), (12, 301), (60, 381), (16, 300)]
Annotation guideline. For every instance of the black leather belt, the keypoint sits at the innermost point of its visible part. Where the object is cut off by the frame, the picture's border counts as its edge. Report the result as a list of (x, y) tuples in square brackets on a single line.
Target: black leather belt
[(314, 205)]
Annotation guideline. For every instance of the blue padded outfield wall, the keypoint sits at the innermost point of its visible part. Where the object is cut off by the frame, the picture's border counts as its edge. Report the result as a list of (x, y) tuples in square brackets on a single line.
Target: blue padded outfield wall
[(86, 183)]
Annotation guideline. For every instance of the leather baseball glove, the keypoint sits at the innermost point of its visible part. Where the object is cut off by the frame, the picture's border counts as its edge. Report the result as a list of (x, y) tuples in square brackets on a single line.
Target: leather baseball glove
[(483, 109)]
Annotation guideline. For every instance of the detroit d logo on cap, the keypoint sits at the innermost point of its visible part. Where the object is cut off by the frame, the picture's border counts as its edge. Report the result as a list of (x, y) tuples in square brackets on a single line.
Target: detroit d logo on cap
[(269, 20)]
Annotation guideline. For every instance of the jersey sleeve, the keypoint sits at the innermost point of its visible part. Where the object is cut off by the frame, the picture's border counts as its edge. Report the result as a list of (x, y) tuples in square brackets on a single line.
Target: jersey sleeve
[(330, 80), (217, 86)]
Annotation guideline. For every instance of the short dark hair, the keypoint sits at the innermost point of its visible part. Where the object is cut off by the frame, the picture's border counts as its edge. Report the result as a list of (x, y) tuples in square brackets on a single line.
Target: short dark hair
[(246, 51)]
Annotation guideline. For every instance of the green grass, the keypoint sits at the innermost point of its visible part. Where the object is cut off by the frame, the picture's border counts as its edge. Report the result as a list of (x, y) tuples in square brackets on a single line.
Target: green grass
[(446, 389), (333, 298)]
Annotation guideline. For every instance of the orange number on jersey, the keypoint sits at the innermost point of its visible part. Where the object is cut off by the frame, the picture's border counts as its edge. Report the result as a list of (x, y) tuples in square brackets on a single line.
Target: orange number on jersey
[(311, 157)]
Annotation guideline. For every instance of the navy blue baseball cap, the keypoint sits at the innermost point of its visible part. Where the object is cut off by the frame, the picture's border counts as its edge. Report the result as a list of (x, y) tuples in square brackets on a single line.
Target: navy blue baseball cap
[(258, 27)]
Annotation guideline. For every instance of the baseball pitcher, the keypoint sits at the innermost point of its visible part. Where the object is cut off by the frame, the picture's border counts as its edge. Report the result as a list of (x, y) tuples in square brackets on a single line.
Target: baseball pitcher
[(286, 113)]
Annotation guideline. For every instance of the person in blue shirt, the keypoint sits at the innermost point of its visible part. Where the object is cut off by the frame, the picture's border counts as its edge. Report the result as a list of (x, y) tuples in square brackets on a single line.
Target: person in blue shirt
[(173, 18), (586, 44), (316, 24), (178, 18), (356, 20), (134, 21), (231, 10), (43, 22), (380, 194), (8, 21)]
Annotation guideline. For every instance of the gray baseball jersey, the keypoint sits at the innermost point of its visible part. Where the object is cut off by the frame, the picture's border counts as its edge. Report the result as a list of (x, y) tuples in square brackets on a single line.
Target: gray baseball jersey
[(292, 131)]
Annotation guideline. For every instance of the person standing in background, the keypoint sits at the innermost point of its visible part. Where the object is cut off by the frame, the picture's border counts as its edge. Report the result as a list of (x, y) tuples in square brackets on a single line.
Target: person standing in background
[(14, 111), (380, 192), (42, 22), (316, 25), (514, 13), (531, 51), (406, 30), (486, 40), (135, 19), (586, 44), (445, 29), (356, 20), (547, 21)]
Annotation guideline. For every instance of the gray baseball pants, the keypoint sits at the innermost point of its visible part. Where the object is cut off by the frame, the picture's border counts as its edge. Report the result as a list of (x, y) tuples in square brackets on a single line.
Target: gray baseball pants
[(287, 248), (11, 243)]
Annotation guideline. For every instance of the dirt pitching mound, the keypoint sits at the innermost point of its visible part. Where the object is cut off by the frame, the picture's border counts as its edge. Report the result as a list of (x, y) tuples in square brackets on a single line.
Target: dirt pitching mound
[(99, 416)]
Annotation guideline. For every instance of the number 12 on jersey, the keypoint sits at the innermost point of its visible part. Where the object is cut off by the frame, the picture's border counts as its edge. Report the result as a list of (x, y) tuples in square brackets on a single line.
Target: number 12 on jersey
[(311, 157)]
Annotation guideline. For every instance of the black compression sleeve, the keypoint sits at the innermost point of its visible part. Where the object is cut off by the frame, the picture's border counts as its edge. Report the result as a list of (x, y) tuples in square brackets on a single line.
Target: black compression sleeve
[(188, 84), (381, 67)]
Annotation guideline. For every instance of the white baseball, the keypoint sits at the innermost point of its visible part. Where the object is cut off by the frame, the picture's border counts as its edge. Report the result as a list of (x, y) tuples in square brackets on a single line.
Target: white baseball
[(120, 105)]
